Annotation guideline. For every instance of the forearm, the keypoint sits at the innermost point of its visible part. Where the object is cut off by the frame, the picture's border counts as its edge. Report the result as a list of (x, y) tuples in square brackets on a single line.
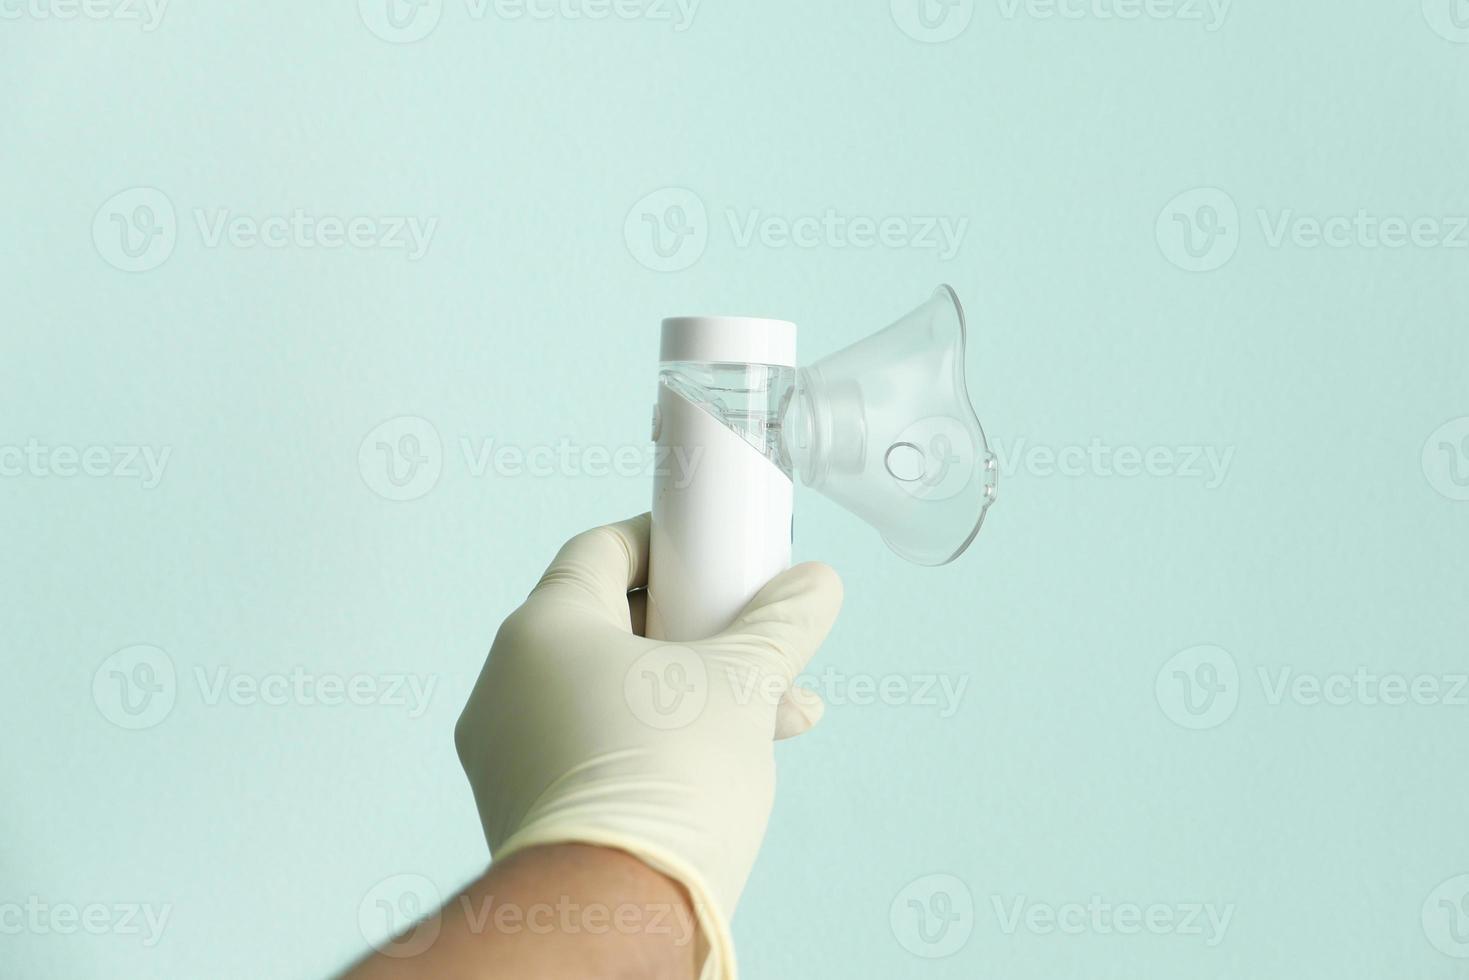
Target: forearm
[(568, 911)]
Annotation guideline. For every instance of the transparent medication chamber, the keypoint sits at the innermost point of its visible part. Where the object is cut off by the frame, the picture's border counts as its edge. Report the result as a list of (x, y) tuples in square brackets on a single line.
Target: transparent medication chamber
[(748, 399)]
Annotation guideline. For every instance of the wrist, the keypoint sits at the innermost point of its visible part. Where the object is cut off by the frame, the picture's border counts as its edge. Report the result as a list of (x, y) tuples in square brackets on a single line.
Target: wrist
[(599, 911), (707, 922)]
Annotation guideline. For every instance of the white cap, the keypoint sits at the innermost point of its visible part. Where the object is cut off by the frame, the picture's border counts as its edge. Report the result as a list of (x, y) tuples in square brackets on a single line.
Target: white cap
[(729, 340)]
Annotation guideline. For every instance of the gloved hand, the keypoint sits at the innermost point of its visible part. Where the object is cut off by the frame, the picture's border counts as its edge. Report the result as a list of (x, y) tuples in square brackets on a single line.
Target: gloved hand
[(579, 729)]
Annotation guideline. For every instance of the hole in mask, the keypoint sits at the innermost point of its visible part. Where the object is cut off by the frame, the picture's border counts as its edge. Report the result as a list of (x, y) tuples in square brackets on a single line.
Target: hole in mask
[(904, 462)]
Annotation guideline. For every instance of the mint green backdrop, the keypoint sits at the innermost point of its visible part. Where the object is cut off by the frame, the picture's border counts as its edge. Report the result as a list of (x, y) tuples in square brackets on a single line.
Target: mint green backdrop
[(1192, 706)]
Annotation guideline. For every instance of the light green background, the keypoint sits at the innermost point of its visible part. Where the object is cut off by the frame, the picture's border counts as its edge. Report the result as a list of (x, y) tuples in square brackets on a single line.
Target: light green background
[(1333, 542)]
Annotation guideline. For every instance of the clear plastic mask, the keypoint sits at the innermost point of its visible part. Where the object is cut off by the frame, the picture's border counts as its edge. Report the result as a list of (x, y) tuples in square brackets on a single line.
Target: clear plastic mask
[(886, 429)]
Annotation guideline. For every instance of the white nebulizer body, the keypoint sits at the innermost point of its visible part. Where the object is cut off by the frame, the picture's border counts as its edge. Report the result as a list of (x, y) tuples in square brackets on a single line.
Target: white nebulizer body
[(883, 427), (722, 491)]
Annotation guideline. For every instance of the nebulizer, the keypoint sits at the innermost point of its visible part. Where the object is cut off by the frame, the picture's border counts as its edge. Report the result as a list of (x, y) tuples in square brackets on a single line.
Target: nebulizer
[(884, 427)]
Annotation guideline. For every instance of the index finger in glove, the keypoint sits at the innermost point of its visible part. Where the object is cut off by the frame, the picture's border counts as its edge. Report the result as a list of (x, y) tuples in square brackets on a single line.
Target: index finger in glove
[(789, 618), (596, 569)]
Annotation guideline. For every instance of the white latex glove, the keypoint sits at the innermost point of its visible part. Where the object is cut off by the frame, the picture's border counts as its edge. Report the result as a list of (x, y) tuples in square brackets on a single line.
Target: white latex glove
[(580, 730)]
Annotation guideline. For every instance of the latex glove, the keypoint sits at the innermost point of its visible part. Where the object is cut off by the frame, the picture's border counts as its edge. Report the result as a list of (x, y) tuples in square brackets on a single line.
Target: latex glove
[(579, 729)]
